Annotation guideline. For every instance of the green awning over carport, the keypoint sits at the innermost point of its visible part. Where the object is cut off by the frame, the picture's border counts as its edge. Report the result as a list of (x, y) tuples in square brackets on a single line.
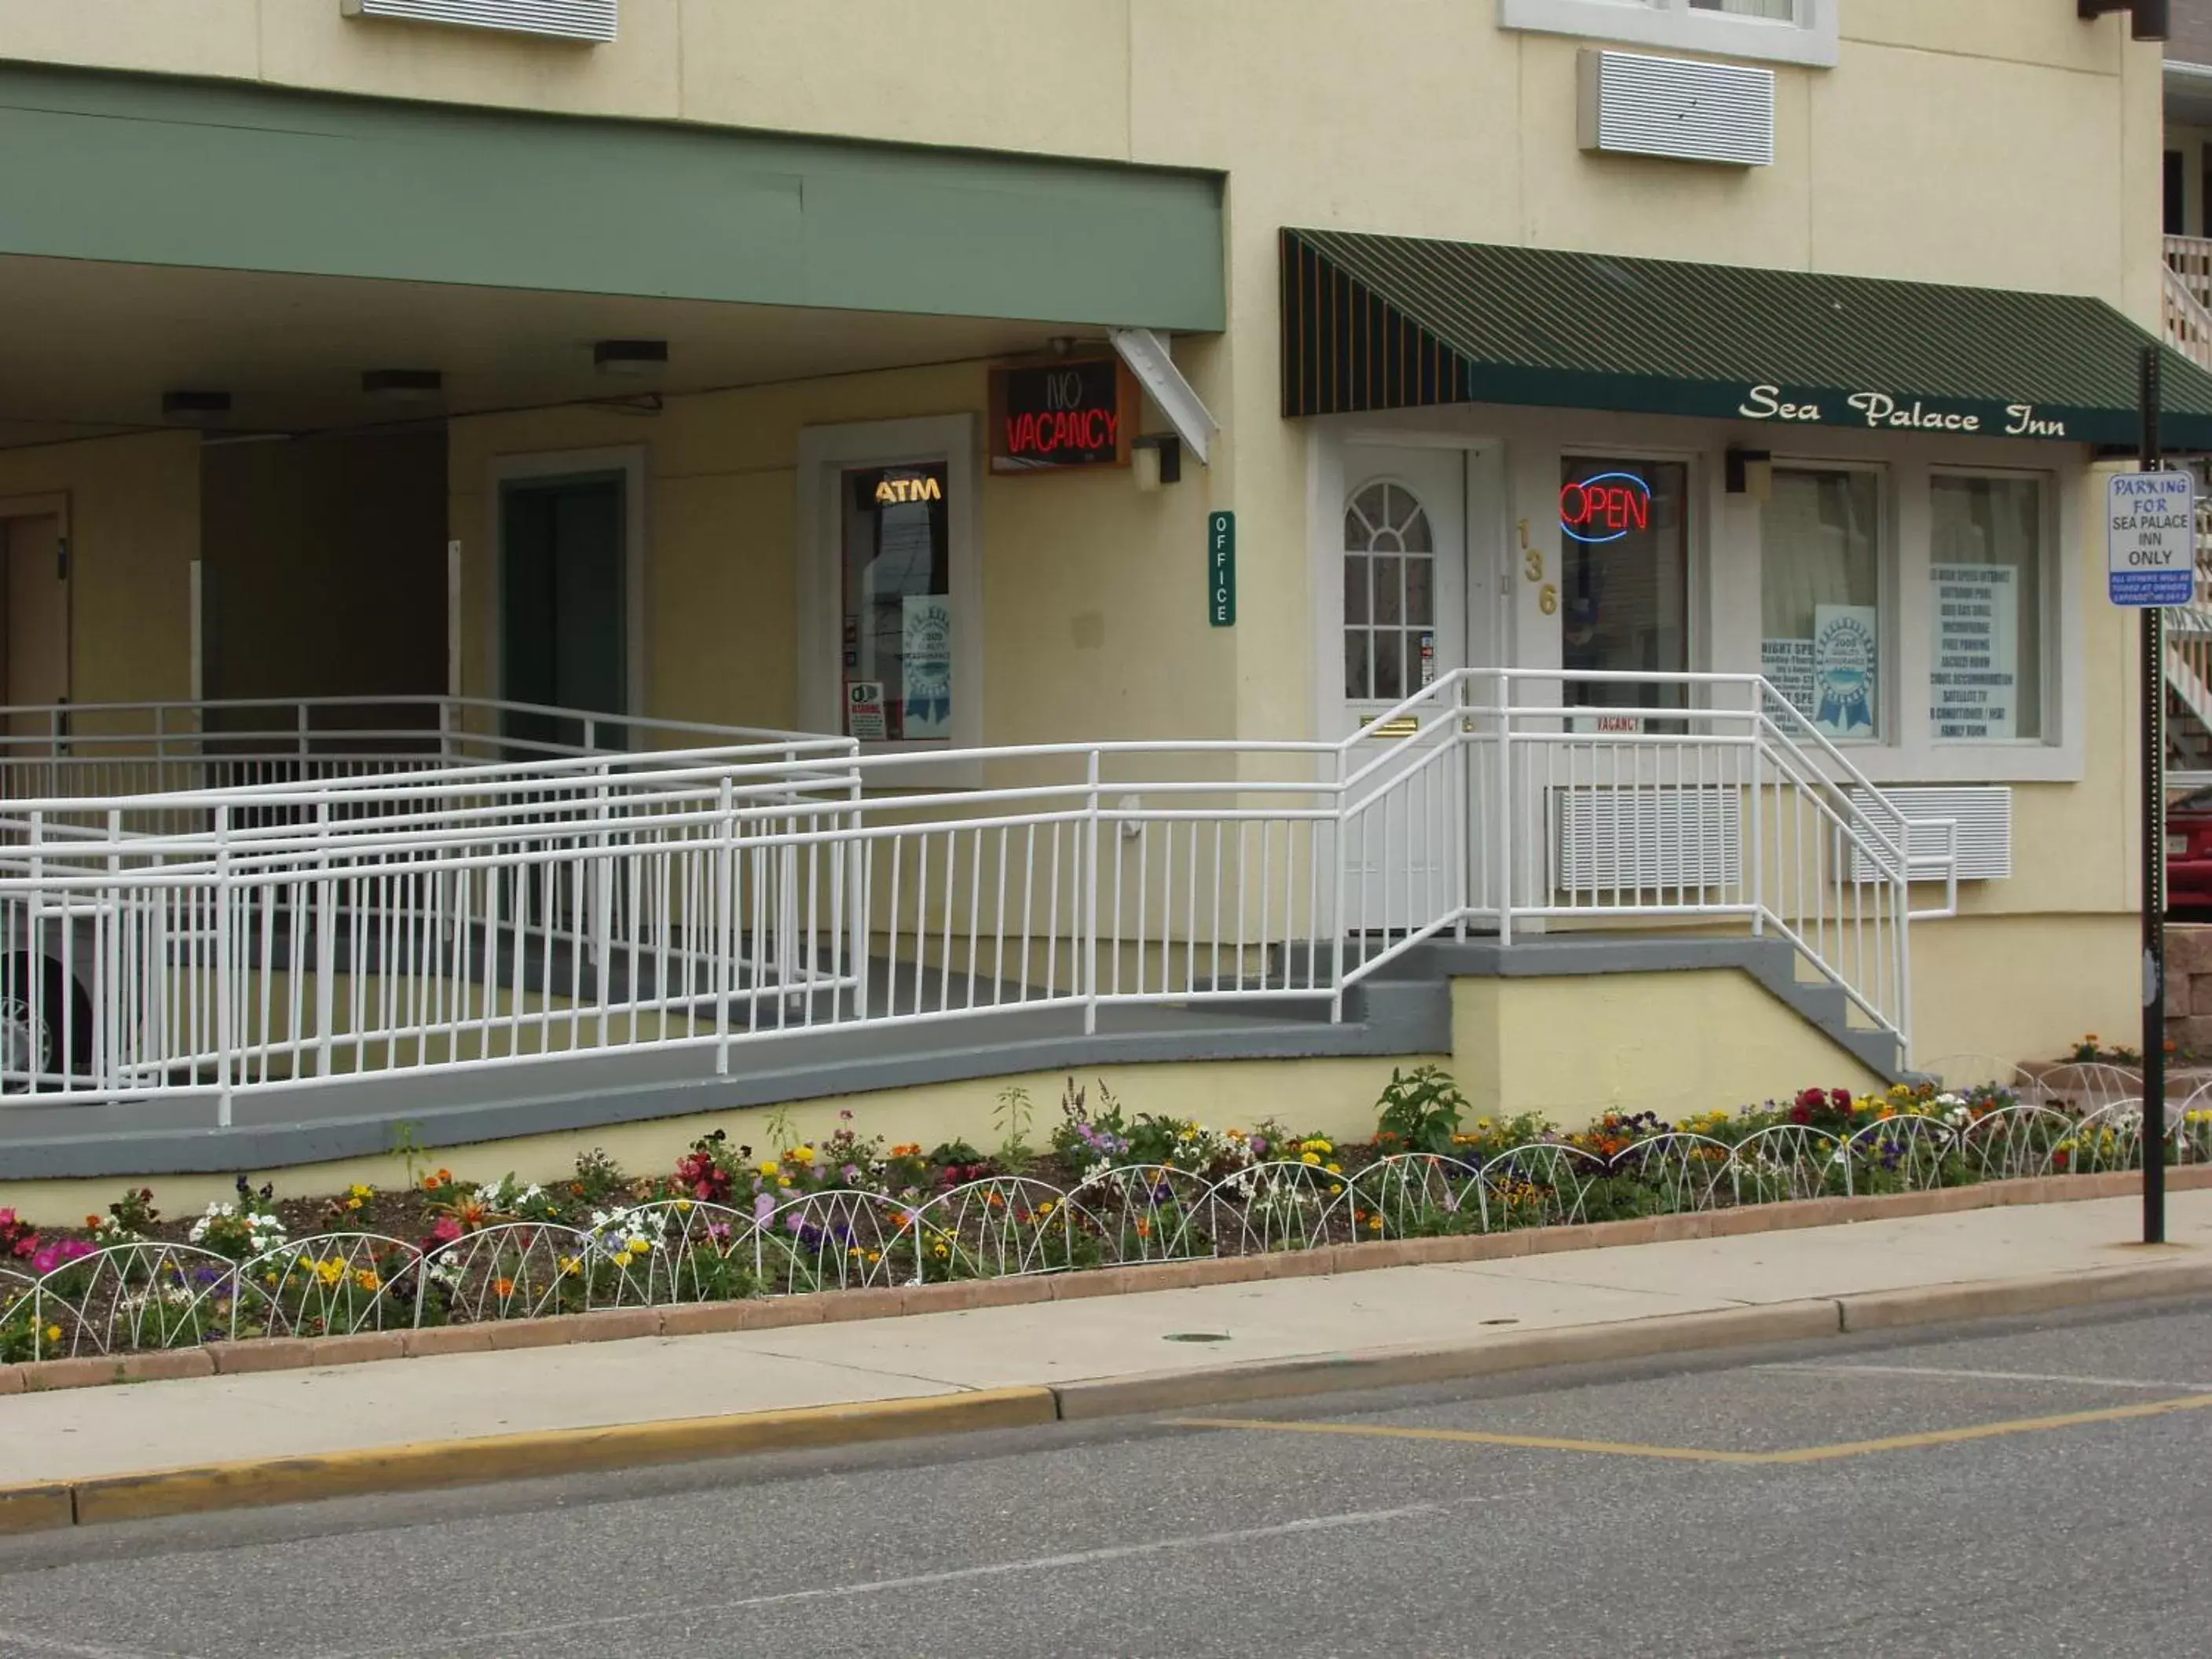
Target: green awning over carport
[(1396, 322)]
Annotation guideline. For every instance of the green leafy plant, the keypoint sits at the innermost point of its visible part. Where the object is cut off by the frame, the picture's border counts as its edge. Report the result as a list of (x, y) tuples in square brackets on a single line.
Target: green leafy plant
[(407, 1147), (598, 1177), (1420, 1111), (779, 1130), (1013, 1118)]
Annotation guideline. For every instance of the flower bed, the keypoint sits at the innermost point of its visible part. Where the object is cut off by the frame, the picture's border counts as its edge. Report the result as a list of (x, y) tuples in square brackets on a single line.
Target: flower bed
[(1115, 1189)]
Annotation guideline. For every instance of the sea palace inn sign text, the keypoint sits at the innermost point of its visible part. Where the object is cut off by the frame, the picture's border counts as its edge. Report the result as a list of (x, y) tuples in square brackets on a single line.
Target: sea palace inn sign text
[(1880, 411)]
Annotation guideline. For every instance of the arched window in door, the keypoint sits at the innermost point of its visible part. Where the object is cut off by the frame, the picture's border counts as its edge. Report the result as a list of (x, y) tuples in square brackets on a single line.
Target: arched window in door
[(1390, 595)]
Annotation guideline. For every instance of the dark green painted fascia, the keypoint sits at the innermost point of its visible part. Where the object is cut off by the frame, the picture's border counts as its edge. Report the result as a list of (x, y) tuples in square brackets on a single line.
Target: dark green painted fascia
[(149, 170)]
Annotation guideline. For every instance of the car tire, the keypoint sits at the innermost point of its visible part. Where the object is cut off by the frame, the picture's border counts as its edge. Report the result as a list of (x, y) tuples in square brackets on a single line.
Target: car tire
[(31, 1036)]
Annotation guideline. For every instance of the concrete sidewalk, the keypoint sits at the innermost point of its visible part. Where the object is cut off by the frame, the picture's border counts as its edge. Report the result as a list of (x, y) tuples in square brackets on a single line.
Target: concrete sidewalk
[(81, 1433)]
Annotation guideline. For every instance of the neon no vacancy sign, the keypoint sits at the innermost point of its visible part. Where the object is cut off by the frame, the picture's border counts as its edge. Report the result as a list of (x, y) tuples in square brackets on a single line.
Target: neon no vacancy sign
[(1605, 508)]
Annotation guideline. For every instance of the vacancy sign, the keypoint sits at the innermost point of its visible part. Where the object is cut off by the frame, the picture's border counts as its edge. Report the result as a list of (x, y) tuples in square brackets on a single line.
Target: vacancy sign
[(2152, 548)]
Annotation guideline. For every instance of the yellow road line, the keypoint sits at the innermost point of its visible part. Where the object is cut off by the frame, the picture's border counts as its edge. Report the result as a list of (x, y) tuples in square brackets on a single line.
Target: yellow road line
[(1993, 1430), (1702, 1455), (1472, 1437)]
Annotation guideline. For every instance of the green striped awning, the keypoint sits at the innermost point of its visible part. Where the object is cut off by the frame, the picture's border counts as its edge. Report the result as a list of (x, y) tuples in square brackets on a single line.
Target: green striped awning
[(1397, 322)]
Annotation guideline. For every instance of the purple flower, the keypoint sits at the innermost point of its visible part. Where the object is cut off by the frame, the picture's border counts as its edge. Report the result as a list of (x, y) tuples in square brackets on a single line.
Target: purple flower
[(763, 1207), (852, 1174), (1258, 1145)]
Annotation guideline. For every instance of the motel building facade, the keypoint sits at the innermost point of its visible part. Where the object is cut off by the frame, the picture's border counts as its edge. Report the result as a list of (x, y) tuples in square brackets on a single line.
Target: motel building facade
[(655, 558)]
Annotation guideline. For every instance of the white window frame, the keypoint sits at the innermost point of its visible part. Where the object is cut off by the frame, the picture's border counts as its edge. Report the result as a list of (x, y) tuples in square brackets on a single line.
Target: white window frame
[(1890, 716), (1810, 40), (2052, 620), (825, 454)]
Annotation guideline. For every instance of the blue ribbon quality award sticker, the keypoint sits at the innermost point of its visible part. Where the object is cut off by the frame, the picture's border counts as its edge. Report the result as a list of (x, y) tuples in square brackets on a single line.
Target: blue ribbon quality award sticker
[(1845, 668), (927, 665)]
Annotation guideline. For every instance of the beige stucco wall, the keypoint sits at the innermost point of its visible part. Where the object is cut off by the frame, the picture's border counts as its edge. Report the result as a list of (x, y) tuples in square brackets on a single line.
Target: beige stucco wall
[(1092, 591), (1672, 1043), (135, 531)]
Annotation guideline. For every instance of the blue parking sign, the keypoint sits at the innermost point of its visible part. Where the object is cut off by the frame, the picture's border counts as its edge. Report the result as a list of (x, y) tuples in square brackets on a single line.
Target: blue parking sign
[(2151, 545)]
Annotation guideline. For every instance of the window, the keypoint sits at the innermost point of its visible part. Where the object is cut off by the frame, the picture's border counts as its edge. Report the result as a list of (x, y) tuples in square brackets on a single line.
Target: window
[(1821, 597), (1985, 602), (1780, 31), (1390, 596), (891, 589), (897, 570), (1624, 600)]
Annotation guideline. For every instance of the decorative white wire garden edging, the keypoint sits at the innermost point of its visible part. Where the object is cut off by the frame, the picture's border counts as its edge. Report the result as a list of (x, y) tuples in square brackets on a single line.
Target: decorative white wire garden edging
[(147, 1294)]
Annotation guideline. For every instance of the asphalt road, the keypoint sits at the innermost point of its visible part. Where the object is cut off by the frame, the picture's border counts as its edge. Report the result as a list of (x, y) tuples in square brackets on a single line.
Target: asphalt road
[(1755, 1505)]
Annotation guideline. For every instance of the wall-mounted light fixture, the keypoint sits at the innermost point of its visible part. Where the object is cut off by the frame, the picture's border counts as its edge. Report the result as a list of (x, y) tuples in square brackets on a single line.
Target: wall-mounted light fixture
[(2152, 18), (188, 408), (629, 357), (1156, 459), (1750, 472), (403, 386)]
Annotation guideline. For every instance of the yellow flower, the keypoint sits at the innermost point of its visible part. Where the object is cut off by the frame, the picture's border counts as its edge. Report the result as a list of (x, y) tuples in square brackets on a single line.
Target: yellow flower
[(771, 1170), (1311, 1159), (1336, 1168), (800, 1155), (570, 1265), (53, 1332), (682, 1204)]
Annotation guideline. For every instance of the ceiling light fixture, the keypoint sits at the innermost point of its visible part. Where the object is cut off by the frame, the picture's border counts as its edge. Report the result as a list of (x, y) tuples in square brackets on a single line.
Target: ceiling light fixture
[(403, 386), (630, 357), (195, 408)]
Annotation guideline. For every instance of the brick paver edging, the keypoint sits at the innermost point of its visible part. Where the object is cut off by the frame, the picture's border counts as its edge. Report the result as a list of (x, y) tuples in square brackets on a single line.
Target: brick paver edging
[(828, 1307)]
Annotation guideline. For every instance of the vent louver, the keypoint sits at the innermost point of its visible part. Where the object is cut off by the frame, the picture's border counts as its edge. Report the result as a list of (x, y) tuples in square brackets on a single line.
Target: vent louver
[(559, 20), (1982, 813), (1634, 105), (1633, 841)]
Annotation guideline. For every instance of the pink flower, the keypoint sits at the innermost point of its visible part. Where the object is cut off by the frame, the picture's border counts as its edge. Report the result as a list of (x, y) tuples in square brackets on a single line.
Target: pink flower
[(59, 1254), (27, 1244), (446, 1231)]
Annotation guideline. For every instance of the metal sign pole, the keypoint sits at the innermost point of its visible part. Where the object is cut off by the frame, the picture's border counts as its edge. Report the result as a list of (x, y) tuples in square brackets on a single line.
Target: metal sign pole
[(2154, 859)]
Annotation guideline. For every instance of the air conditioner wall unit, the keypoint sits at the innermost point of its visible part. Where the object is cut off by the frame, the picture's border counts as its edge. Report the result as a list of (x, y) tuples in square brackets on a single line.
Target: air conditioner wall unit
[(1631, 104), (560, 19)]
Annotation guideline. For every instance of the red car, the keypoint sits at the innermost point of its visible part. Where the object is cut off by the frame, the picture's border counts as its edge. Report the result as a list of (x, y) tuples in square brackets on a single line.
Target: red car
[(2189, 852)]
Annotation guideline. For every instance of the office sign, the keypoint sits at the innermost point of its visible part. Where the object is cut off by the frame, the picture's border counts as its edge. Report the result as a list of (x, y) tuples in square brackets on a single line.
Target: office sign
[(1221, 569)]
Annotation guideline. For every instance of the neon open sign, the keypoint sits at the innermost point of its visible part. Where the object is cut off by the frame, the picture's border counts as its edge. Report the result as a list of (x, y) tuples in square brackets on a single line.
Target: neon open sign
[(1605, 508)]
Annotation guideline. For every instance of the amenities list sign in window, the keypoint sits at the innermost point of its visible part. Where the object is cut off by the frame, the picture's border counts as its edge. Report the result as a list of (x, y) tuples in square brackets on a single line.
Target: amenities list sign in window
[(1984, 681), (898, 615)]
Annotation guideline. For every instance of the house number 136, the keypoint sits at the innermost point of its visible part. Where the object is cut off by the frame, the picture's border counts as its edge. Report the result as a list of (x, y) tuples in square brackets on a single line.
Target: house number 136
[(1547, 594)]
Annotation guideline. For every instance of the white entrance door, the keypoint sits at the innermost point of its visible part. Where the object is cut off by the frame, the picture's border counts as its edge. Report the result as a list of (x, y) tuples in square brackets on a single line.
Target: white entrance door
[(1405, 628)]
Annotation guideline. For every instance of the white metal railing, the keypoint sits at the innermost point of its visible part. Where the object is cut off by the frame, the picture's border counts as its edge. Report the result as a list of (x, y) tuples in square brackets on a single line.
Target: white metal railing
[(301, 933), (151, 748), (2189, 259), (2187, 303)]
